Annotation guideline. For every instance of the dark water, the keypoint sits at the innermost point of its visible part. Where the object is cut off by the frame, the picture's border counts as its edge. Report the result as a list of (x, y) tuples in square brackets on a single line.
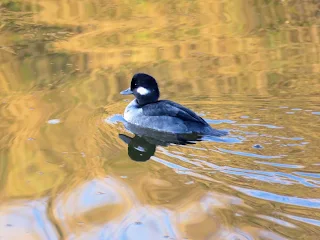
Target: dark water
[(251, 67)]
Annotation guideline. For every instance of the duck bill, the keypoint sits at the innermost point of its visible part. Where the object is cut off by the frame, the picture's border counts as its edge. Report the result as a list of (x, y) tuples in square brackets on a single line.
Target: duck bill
[(126, 92)]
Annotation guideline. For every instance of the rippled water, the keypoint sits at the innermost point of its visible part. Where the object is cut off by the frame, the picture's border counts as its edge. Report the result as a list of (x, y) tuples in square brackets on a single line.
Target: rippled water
[(251, 67)]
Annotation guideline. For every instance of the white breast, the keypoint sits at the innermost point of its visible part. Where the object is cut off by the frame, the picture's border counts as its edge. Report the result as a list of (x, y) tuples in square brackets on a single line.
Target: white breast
[(132, 112)]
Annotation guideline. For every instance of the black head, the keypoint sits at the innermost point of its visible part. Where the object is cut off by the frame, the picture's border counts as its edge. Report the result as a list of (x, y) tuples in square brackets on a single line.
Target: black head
[(144, 87)]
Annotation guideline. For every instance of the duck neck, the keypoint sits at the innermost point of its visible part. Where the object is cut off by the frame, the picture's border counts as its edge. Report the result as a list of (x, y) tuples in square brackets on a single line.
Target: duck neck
[(145, 100)]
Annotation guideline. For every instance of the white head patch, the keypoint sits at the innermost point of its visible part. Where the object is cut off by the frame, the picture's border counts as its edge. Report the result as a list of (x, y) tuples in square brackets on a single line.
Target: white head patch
[(143, 91)]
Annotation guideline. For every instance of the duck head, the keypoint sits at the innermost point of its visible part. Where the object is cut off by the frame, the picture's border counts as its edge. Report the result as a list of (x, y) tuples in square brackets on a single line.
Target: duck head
[(144, 87)]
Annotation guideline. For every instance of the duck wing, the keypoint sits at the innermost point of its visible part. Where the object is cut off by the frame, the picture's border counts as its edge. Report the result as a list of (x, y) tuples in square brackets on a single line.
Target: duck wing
[(171, 109)]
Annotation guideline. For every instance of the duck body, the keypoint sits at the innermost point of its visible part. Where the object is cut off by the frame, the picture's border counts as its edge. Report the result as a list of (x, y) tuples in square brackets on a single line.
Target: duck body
[(162, 115)]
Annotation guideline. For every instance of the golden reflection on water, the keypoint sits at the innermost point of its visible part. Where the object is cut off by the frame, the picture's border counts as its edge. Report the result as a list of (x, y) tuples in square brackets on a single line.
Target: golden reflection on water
[(253, 65)]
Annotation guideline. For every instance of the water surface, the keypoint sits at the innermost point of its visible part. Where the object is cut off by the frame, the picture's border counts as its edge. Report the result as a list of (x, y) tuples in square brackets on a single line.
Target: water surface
[(250, 67)]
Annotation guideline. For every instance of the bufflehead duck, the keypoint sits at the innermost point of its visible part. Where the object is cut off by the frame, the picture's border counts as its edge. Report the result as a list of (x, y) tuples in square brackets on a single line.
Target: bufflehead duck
[(161, 115)]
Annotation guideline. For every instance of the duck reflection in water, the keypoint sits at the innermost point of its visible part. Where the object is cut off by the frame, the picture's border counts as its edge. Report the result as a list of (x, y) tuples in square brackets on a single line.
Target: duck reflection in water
[(143, 145)]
